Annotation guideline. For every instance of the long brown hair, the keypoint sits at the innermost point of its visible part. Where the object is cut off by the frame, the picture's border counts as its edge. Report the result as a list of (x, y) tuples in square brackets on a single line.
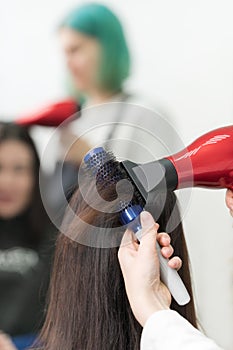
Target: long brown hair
[(88, 306)]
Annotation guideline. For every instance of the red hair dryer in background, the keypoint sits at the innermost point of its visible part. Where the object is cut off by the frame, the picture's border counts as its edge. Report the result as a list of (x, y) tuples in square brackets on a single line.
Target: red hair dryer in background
[(51, 115)]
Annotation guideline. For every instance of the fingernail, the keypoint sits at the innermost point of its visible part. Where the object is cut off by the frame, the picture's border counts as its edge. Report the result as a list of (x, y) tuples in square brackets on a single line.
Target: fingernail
[(167, 240), (146, 219)]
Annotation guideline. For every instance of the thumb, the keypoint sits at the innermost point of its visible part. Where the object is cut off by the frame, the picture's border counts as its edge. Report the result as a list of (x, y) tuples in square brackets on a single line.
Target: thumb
[(149, 233), (127, 248)]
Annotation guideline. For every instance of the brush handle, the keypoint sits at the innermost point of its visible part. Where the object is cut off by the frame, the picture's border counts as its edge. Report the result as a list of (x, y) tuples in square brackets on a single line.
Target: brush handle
[(170, 277)]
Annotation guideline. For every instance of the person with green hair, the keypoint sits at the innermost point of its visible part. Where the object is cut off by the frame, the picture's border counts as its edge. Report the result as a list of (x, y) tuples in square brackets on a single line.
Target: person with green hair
[(96, 51), (98, 63)]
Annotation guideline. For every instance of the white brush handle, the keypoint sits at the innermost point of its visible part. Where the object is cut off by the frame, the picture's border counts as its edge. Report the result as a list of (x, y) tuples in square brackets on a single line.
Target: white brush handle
[(170, 277)]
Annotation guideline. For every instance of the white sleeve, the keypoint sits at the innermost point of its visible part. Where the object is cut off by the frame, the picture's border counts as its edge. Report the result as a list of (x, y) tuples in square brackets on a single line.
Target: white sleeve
[(166, 330)]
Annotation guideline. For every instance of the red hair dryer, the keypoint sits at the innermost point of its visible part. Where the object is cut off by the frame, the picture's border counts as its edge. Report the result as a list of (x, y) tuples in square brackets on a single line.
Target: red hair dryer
[(207, 162), (51, 115), (211, 157)]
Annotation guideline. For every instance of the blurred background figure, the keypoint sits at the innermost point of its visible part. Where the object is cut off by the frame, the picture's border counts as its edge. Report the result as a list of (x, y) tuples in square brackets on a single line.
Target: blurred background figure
[(96, 53), (98, 63), (25, 242)]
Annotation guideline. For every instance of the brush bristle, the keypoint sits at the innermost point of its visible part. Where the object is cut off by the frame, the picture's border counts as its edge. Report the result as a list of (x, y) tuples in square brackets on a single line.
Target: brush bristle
[(104, 166)]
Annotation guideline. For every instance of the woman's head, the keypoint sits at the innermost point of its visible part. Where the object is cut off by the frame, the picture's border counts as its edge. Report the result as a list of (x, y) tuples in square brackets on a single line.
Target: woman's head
[(88, 306), (19, 166), (19, 179), (95, 47)]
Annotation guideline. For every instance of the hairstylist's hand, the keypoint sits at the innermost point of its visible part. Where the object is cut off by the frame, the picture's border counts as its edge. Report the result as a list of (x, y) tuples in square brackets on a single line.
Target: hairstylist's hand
[(6, 343), (140, 267), (229, 201)]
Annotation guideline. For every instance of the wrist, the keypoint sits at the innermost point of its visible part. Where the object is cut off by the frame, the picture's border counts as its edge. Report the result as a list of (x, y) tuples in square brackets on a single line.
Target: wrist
[(146, 305)]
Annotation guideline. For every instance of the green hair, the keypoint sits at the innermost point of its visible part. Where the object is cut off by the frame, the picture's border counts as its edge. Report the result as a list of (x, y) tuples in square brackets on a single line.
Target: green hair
[(100, 23)]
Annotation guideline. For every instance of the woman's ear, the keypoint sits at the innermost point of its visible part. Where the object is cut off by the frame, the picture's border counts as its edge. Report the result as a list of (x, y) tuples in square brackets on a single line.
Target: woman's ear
[(229, 200)]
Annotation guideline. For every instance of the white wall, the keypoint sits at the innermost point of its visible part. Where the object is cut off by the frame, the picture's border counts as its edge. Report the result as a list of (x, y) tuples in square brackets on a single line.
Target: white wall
[(183, 61)]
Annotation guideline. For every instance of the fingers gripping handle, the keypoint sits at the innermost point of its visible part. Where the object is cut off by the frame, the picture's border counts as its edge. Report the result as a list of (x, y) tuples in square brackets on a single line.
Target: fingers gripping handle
[(172, 280), (170, 277)]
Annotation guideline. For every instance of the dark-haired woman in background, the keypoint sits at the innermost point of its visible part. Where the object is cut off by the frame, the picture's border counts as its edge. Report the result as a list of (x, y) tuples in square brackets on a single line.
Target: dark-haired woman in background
[(24, 240), (88, 306)]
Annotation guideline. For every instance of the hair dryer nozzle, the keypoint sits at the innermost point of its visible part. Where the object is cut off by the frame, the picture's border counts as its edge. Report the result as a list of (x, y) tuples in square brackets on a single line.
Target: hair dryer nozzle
[(51, 115)]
